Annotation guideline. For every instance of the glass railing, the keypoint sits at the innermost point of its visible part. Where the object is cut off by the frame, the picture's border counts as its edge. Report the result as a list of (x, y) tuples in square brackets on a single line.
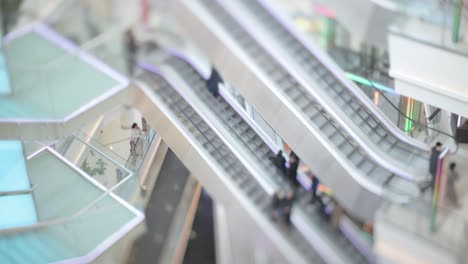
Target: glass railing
[(96, 161), (132, 189), (441, 23), (112, 155), (410, 125)]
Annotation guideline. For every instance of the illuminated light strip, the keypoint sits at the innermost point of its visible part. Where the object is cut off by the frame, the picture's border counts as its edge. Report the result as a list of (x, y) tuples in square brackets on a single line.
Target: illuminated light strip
[(456, 21), (435, 193), (411, 113), (408, 109), (367, 82), (376, 97)]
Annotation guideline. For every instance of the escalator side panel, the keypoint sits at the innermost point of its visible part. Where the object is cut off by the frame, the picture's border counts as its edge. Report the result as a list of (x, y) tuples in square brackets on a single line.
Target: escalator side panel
[(235, 66), (181, 144), (196, 159)]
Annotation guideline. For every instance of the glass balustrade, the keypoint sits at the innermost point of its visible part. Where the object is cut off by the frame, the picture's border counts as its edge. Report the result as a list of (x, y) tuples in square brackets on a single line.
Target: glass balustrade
[(441, 23)]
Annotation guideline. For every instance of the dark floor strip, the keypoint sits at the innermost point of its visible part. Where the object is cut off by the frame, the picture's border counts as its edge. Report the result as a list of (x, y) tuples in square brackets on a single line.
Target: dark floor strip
[(201, 246), (160, 211)]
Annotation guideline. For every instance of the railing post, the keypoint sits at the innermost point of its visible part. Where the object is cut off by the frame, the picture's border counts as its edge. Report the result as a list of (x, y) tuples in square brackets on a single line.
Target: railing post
[(438, 193), (456, 21)]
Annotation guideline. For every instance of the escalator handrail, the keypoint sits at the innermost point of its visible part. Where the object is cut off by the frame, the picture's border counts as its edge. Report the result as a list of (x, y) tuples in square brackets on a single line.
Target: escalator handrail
[(325, 103), (184, 59), (227, 97), (336, 71), (409, 118), (247, 167), (362, 180), (233, 131)]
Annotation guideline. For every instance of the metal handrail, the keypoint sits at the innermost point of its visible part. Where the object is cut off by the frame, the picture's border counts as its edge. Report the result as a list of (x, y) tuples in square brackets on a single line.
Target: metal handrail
[(63, 220), (238, 135), (19, 192), (208, 141), (409, 118)]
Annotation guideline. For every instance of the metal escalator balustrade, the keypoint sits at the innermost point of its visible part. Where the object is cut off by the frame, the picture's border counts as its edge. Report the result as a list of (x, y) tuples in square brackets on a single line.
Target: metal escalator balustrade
[(229, 116), (411, 167), (315, 113), (238, 127), (220, 152), (351, 104)]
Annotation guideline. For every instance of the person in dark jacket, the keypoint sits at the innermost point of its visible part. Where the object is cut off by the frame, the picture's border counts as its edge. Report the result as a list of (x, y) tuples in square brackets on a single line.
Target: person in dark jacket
[(279, 161), (293, 154), (433, 160), (276, 205), (287, 206), (213, 82), (291, 172), (313, 189)]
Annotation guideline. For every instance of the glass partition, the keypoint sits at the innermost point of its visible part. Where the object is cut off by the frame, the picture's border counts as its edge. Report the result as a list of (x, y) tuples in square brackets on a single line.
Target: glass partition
[(441, 23)]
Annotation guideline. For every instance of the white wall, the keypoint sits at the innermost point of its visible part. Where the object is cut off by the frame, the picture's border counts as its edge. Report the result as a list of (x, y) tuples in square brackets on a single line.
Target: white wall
[(430, 74)]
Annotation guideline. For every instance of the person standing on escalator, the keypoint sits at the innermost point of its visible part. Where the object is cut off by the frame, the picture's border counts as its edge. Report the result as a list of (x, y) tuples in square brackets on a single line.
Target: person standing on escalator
[(213, 82), (291, 171), (279, 161), (313, 189)]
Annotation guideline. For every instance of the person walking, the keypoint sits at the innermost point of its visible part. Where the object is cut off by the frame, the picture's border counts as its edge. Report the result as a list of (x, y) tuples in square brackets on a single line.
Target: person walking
[(134, 137), (452, 177), (433, 160), (213, 82), (131, 49), (279, 161)]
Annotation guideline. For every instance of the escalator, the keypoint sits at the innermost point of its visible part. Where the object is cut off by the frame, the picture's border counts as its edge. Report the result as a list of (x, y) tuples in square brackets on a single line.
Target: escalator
[(214, 161), (330, 85), (332, 244), (358, 180)]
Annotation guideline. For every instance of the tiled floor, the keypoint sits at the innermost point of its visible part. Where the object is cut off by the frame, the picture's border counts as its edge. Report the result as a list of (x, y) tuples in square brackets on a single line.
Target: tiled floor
[(461, 159)]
